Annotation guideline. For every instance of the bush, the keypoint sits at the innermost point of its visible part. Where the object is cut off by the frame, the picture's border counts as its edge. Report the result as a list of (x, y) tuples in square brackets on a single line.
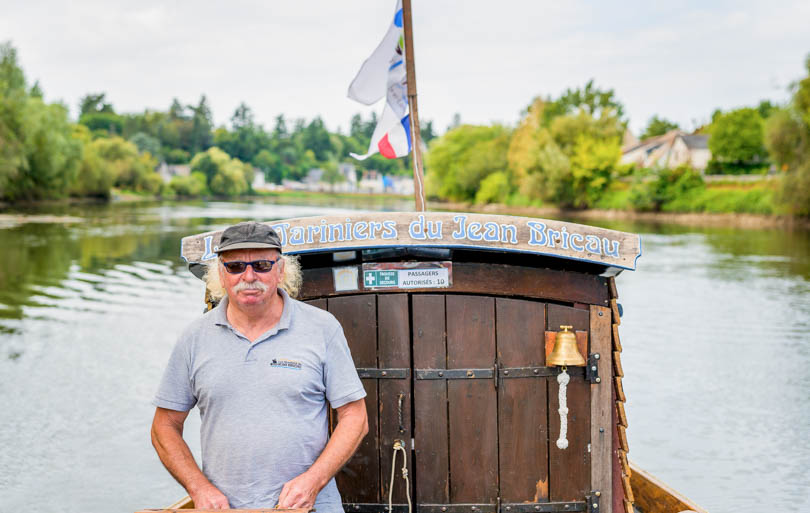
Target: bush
[(494, 189), (669, 185), (192, 185)]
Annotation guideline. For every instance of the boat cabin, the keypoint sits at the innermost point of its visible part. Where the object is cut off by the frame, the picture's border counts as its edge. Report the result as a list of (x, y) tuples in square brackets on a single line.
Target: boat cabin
[(451, 319)]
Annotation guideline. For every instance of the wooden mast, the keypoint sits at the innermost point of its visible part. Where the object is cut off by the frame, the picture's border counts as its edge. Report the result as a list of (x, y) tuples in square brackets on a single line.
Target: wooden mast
[(416, 155)]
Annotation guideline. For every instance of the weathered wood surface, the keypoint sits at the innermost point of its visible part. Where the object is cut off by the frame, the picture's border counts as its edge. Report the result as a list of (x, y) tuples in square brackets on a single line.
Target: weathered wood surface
[(653, 496), (602, 405), (441, 229), (432, 480), (472, 407), (522, 403), (394, 341), (359, 480), (494, 279), (569, 469)]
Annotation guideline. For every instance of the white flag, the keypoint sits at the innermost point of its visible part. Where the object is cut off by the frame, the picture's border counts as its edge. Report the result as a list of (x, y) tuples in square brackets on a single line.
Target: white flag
[(369, 84), (383, 74)]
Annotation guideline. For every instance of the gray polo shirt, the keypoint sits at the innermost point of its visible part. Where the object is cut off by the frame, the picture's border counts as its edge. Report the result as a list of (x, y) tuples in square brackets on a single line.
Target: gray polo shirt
[(263, 405)]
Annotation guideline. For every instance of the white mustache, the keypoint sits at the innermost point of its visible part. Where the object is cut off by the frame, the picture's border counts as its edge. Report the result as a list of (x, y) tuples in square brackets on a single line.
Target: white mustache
[(250, 285)]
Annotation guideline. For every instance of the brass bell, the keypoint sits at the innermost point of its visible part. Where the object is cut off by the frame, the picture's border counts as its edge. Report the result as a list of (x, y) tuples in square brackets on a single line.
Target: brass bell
[(565, 352)]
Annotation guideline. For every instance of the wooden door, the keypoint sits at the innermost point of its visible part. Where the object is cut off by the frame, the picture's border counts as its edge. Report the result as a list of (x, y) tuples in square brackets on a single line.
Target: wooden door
[(481, 436), (377, 328)]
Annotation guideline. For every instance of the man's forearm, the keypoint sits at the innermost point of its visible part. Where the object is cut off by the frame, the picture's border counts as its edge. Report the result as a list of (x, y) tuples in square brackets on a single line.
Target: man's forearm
[(177, 458), (345, 439)]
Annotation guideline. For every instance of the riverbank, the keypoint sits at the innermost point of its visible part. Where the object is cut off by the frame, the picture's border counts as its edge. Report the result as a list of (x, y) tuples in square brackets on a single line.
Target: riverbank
[(700, 219)]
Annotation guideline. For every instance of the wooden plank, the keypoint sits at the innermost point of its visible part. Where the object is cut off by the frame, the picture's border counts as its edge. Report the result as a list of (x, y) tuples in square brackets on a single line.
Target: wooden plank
[(569, 469), (472, 404), (318, 303), (622, 414), (430, 401), (617, 488), (624, 463), (612, 290), (522, 403), (617, 343), (653, 495), (614, 306), (394, 341), (623, 438), (485, 278), (359, 479), (393, 229), (617, 364), (617, 384), (628, 490), (601, 405)]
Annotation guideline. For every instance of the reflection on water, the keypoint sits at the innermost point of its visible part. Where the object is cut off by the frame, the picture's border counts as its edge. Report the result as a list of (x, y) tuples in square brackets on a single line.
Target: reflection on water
[(715, 335)]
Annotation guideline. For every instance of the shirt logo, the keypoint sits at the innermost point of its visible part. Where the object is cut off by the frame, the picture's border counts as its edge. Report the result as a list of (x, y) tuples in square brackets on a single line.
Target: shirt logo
[(286, 364)]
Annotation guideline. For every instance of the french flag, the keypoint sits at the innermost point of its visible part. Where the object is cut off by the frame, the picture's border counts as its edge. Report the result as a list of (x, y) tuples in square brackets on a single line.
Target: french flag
[(383, 74)]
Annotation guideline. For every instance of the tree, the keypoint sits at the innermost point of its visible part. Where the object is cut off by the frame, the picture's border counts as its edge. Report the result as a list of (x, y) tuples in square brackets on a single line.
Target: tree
[(39, 157), (332, 175), (788, 140), (737, 141), (93, 103), (463, 157), (201, 124), (590, 99), (658, 126), (224, 175), (146, 143)]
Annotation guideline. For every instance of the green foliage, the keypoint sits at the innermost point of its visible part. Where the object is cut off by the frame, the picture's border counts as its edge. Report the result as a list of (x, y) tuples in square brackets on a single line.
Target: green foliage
[(737, 142), (592, 101), (667, 186), (224, 176), (191, 186), (658, 126), (177, 156), (463, 157), (132, 171), (146, 144), (39, 158), (592, 166), (494, 189), (95, 177)]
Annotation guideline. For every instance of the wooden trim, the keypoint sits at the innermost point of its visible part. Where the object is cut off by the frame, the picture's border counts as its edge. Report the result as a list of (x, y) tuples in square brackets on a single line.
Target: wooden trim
[(628, 490), (489, 279), (622, 414), (617, 364), (365, 230), (617, 381), (614, 306), (601, 406), (617, 343), (625, 465), (623, 438), (653, 495), (614, 293)]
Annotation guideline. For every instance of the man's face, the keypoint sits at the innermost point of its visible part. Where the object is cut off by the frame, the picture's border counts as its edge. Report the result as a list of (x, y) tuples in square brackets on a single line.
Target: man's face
[(250, 289)]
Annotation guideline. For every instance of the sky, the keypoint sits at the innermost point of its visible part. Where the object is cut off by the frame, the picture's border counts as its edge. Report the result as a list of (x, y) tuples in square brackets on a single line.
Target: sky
[(483, 60)]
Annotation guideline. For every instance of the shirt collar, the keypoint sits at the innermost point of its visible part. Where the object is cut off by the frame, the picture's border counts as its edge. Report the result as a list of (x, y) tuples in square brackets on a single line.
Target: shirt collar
[(220, 317)]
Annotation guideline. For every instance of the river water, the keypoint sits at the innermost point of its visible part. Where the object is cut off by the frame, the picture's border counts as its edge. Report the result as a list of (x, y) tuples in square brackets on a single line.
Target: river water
[(716, 336)]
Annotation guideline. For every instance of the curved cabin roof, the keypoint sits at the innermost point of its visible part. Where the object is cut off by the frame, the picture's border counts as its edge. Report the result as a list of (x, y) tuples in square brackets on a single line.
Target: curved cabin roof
[(602, 251)]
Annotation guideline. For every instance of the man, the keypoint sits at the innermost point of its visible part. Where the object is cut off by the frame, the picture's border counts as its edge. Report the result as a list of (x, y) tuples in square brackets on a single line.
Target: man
[(260, 367)]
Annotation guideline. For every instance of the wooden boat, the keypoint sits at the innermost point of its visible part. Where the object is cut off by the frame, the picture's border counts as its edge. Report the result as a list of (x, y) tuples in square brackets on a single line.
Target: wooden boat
[(450, 319)]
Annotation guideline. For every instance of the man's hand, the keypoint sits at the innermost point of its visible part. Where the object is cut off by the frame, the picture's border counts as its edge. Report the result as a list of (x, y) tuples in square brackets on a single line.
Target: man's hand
[(209, 497), (300, 492)]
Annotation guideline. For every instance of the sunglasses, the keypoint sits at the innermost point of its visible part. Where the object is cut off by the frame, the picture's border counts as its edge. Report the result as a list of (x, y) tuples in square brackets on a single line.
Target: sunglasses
[(259, 266)]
